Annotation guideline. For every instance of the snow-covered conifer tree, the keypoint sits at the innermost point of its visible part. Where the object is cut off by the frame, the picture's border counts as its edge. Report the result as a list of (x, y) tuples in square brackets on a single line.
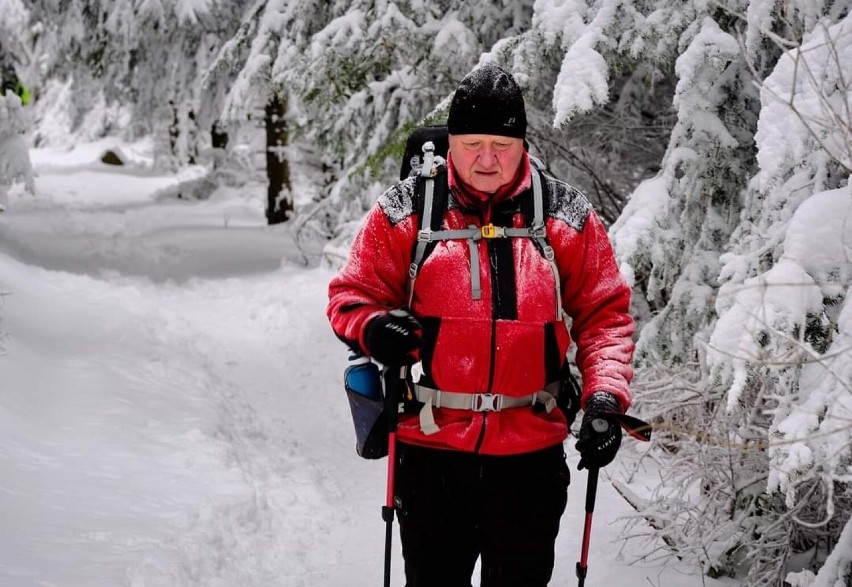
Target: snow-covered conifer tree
[(14, 154), (267, 55), (361, 71), (745, 310), (131, 67), (603, 147), (781, 343)]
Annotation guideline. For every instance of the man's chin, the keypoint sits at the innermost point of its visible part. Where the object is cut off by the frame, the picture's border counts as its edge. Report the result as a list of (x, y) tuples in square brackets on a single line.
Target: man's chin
[(489, 185)]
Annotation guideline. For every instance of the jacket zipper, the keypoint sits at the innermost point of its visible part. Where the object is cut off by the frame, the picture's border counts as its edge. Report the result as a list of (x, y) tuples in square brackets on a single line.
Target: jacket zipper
[(491, 366)]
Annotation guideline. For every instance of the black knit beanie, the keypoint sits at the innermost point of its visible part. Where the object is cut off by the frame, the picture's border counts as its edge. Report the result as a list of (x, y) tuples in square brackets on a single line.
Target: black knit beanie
[(488, 101)]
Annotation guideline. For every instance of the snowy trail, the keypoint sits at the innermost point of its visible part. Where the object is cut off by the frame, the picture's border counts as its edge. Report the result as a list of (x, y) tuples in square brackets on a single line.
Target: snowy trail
[(178, 421), (171, 406), (209, 440)]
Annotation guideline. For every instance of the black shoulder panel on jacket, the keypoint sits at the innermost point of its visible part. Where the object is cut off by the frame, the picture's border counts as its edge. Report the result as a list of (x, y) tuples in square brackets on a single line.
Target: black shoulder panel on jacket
[(566, 203), (398, 201)]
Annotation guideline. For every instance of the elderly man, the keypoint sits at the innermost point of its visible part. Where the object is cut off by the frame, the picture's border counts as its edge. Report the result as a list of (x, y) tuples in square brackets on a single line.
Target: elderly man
[(482, 470)]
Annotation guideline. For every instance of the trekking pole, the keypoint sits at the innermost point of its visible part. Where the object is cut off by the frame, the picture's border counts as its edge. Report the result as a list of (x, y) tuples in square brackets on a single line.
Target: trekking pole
[(640, 431), (392, 409), (591, 492)]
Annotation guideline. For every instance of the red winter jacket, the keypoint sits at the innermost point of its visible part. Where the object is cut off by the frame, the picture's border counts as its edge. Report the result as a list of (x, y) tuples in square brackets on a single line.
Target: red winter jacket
[(510, 340)]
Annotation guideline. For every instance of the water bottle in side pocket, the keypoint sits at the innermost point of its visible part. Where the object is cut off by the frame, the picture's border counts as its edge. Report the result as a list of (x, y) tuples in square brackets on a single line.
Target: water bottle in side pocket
[(363, 383)]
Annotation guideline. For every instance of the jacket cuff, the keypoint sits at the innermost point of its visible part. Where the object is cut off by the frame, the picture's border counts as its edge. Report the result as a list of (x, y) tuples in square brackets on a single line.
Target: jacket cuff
[(601, 402)]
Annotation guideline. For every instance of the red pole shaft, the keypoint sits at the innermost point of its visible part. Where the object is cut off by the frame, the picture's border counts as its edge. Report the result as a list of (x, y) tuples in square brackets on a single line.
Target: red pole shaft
[(391, 469), (587, 537), (391, 407), (591, 493)]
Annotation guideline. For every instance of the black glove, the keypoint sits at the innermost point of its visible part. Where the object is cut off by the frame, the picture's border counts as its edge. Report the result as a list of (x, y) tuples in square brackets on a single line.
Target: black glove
[(394, 339), (600, 433)]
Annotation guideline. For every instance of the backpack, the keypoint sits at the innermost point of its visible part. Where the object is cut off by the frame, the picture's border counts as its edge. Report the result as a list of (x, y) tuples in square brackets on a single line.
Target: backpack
[(425, 153)]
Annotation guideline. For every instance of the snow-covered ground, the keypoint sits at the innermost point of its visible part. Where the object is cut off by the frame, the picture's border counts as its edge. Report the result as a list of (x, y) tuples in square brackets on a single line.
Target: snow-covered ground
[(171, 404)]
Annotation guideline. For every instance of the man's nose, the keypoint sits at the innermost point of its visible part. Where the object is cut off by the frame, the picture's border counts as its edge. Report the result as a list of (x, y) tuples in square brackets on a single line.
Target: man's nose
[(487, 157)]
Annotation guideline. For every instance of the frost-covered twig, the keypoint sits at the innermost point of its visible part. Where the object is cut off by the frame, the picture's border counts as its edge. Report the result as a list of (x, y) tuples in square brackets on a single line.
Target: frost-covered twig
[(641, 506)]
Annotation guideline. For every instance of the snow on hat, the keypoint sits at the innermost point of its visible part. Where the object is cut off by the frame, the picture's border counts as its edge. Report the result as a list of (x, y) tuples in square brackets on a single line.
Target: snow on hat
[(488, 101)]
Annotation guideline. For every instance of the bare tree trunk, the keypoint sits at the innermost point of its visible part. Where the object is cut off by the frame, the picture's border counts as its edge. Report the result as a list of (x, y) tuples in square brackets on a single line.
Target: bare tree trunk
[(279, 195), (174, 130), (191, 138), (183, 134), (219, 142), (218, 136)]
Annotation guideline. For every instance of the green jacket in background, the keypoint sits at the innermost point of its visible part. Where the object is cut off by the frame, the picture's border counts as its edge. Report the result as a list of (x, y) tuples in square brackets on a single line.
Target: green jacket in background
[(10, 82), (23, 92)]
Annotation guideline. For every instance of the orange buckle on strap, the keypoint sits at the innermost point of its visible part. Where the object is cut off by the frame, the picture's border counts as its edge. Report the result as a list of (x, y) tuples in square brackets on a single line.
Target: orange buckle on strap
[(491, 231)]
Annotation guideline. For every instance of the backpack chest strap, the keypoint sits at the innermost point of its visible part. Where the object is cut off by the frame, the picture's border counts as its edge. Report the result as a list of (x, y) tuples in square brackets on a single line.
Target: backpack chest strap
[(474, 232), (471, 234)]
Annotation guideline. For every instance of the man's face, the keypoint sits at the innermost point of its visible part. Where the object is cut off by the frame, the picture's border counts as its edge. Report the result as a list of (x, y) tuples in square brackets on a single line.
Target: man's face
[(486, 162)]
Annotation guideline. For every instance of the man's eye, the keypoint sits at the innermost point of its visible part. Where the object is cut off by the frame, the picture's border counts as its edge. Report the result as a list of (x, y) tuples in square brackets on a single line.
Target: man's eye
[(472, 145), (501, 146)]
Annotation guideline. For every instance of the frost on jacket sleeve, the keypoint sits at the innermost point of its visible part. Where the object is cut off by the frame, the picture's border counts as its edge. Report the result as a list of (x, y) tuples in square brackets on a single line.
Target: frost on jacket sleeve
[(597, 298), (375, 276)]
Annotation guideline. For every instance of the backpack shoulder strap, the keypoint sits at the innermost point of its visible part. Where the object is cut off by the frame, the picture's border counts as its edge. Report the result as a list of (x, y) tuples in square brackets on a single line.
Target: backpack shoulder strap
[(433, 196), (538, 230)]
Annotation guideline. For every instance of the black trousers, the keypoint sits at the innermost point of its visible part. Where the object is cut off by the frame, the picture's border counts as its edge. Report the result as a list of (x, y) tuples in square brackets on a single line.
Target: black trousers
[(454, 507)]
